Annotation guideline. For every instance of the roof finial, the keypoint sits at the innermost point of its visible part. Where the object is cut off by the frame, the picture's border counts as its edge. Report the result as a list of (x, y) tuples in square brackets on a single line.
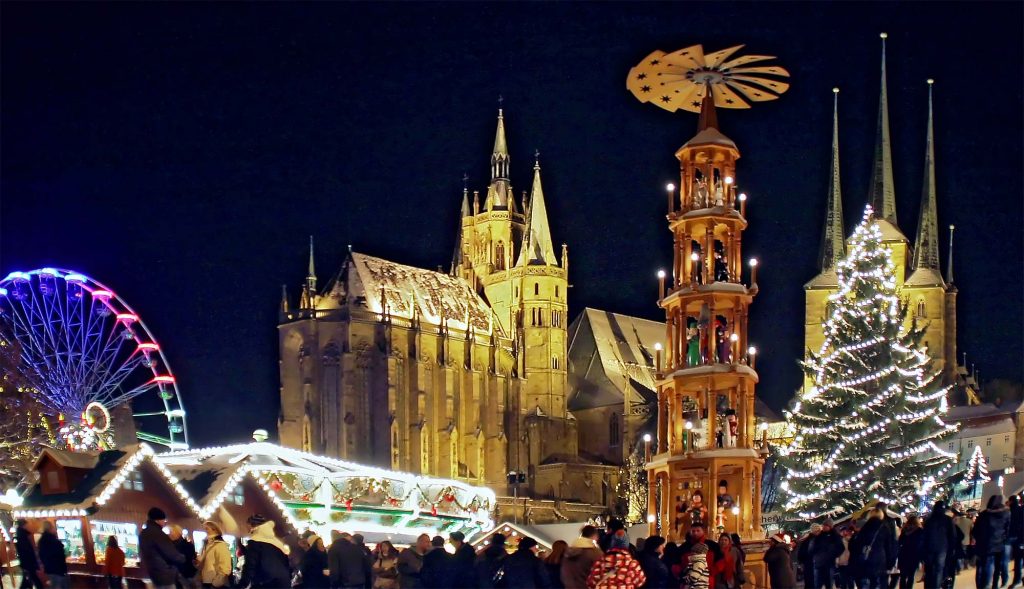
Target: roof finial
[(883, 192), (833, 244), (311, 274), (536, 159), (708, 116), (284, 298), (926, 246)]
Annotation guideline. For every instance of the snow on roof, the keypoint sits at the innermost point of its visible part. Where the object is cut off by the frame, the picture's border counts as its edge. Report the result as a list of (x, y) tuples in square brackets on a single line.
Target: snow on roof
[(988, 427), (409, 291), (966, 412), (889, 231), (68, 459), (925, 277), (621, 348)]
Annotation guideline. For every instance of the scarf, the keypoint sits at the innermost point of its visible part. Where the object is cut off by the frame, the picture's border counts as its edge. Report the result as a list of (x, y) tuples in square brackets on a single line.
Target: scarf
[(265, 533)]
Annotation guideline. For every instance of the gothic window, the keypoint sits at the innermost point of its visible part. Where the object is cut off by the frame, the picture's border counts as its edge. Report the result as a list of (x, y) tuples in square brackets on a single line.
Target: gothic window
[(554, 362), (454, 452), (499, 256), (614, 434), (395, 455), (536, 288), (424, 449), (921, 308)]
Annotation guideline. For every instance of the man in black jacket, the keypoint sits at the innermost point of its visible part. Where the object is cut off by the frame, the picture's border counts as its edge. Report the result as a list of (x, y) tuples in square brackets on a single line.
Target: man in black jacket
[(349, 567), (990, 534), (159, 557), (1016, 538), (54, 557), (463, 571), (436, 566), (524, 569), (938, 545), (873, 551), (823, 549), (266, 558), (28, 555)]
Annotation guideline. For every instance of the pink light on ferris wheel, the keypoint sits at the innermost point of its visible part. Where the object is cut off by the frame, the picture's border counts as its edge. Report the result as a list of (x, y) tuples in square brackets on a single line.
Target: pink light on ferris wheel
[(102, 294), (149, 347), (127, 317), (163, 379)]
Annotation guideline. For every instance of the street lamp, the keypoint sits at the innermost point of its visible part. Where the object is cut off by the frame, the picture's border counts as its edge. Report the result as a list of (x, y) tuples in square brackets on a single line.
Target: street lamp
[(671, 189), (661, 283), (516, 478)]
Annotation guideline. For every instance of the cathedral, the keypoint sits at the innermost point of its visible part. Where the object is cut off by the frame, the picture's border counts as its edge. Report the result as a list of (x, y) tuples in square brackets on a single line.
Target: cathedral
[(459, 374), (930, 296)]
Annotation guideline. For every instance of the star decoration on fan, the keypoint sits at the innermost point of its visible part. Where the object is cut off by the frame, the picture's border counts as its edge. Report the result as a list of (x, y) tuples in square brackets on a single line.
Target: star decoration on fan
[(684, 76)]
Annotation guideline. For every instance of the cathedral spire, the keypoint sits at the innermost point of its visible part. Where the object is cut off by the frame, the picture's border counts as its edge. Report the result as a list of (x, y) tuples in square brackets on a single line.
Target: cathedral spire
[(457, 253), (833, 244), (499, 157), (949, 257), (537, 247), (284, 298), (466, 211), (883, 194), (311, 272), (926, 246)]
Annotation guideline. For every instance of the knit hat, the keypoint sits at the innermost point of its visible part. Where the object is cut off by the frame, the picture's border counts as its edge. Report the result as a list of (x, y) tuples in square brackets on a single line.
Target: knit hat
[(256, 520), (619, 540), (156, 514), (498, 539), (699, 548)]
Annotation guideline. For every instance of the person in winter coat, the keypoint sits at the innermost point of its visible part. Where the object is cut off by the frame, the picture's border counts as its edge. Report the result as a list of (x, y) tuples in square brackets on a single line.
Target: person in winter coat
[(728, 571), (1015, 539), (463, 571), (653, 566), (990, 535), (617, 568), (159, 557), (266, 557), (553, 563), (385, 566), (938, 545), (697, 574), (215, 559), (54, 557), (819, 553), (488, 564), (843, 573), (348, 565), (965, 523), (873, 551), (579, 558), (187, 569), (779, 565), (410, 563), (314, 563), (113, 564), (910, 551), (695, 537), (28, 554), (523, 569), (436, 566)]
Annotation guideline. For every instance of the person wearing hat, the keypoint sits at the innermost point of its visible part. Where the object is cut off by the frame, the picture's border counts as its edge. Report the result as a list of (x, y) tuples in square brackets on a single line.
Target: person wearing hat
[(779, 564), (266, 557), (488, 564), (463, 573), (314, 562), (159, 557), (215, 559), (823, 547), (617, 568), (524, 569)]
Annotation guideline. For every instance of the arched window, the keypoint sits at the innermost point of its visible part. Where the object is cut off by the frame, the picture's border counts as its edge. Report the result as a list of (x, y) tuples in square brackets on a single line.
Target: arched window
[(921, 308), (307, 434), (453, 441), (499, 256), (614, 434)]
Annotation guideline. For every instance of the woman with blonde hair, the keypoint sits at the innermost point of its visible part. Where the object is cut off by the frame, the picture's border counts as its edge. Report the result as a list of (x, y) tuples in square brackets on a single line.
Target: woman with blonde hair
[(215, 560)]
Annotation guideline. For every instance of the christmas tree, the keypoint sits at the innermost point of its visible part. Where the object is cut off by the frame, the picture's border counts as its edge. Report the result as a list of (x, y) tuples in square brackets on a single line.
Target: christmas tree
[(976, 473), (869, 428)]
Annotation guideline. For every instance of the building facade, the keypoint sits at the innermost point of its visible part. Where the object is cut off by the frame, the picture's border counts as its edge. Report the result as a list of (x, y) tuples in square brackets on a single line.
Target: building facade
[(460, 374), (930, 296)]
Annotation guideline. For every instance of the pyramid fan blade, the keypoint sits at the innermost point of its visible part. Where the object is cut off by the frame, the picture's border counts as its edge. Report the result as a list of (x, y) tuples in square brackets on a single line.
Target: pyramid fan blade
[(774, 85), (726, 98), (745, 60), (754, 94), (640, 87), (691, 57), (715, 59), (773, 70)]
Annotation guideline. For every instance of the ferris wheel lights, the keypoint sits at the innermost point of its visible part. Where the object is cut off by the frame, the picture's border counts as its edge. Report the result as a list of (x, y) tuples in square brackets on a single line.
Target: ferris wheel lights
[(74, 278), (3, 292), (127, 317), (176, 413), (102, 294), (50, 271), (18, 276), (149, 347), (163, 379)]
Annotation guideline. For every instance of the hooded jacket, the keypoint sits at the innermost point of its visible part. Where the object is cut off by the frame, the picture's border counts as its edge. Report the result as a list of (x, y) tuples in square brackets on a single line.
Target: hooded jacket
[(992, 528), (266, 564), (780, 567), (577, 561)]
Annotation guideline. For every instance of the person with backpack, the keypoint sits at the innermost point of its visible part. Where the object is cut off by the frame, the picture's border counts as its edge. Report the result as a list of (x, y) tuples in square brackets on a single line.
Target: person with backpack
[(873, 551), (489, 573), (617, 568), (939, 545)]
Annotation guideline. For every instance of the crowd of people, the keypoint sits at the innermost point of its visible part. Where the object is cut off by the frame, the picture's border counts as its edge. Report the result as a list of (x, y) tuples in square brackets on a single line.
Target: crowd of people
[(878, 551)]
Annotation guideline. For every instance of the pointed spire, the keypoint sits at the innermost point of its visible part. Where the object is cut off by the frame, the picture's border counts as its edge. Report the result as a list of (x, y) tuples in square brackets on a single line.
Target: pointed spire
[(537, 247), (949, 257), (883, 192), (466, 211), (457, 253), (499, 157), (311, 273), (926, 246), (708, 114), (833, 243), (284, 298)]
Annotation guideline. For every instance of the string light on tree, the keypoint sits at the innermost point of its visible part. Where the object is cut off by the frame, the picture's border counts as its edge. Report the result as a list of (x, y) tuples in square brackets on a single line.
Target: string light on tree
[(870, 427)]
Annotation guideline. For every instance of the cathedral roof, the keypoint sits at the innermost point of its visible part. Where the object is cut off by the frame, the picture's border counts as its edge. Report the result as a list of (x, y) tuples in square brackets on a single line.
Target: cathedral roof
[(610, 353), (537, 247), (408, 291), (890, 232), (826, 279), (924, 277)]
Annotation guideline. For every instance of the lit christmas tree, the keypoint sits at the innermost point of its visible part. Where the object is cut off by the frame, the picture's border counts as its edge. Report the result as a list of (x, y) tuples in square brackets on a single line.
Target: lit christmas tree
[(977, 471), (869, 428)]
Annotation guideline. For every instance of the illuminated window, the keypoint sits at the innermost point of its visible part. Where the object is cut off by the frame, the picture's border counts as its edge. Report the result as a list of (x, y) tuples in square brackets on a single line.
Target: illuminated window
[(499, 256), (238, 495), (134, 481)]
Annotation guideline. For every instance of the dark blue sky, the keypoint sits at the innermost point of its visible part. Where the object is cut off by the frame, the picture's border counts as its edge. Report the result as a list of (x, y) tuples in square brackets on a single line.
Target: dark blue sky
[(182, 153)]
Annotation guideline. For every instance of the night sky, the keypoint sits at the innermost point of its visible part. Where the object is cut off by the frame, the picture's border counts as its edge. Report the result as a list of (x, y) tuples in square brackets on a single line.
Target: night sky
[(183, 153)]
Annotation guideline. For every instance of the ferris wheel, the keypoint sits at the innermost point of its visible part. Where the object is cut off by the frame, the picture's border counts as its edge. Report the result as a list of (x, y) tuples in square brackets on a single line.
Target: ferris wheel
[(89, 359)]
